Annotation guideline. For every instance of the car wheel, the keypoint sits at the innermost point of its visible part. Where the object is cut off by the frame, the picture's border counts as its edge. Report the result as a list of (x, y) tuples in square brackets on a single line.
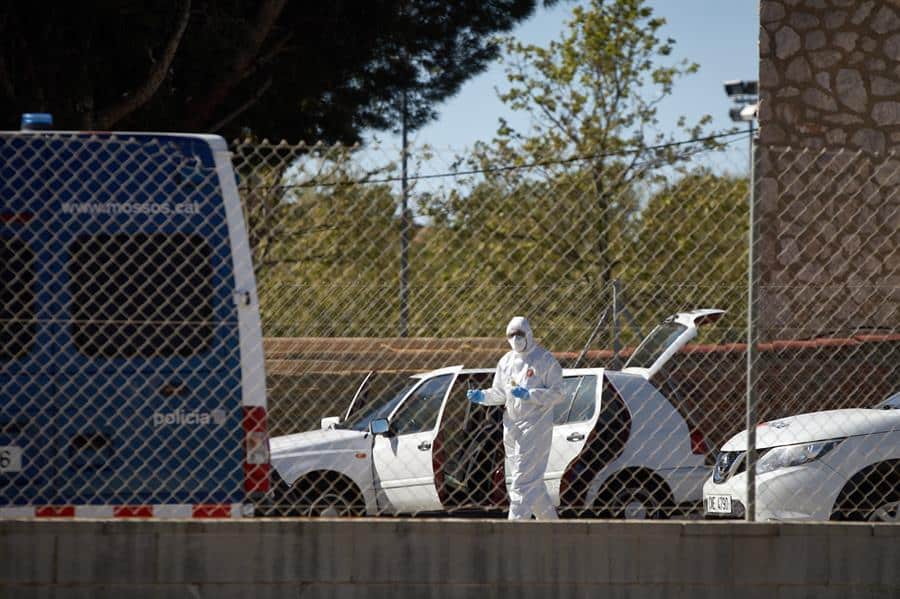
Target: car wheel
[(871, 495), (636, 503), (329, 498), (329, 505), (887, 512)]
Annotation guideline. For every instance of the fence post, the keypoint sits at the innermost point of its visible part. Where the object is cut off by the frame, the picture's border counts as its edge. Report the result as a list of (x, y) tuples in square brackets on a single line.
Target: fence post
[(404, 233), (752, 337), (615, 325)]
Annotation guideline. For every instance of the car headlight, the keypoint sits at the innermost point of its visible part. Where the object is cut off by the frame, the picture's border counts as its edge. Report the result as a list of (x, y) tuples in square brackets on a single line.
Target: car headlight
[(794, 455)]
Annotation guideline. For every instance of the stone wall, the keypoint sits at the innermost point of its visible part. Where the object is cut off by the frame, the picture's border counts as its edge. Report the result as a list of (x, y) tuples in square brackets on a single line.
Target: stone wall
[(828, 169)]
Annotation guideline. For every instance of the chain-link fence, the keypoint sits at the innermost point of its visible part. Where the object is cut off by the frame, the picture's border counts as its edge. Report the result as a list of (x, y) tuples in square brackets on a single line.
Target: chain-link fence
[(126, 316), (351, 311), (825, 372), (384, 300)]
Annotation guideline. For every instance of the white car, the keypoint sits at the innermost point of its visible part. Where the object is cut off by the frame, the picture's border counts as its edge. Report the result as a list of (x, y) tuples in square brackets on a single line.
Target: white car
[(620, 447), (833, 465)]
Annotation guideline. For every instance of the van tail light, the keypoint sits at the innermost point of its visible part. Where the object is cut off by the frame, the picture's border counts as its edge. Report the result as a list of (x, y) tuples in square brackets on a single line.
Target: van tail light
[(698, 442), (15, 218), (256, 443), (257, 448)]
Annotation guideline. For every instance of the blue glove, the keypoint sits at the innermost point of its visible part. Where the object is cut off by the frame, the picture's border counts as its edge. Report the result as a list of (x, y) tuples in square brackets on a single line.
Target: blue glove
[(520, 392), (475, 395)]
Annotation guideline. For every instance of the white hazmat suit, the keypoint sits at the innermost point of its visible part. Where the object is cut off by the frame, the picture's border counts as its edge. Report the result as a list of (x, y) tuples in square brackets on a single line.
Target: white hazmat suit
[(530, 381)]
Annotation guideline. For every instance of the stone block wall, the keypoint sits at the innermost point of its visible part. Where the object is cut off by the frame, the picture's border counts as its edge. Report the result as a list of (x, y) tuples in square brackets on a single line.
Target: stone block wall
[(828, 166)]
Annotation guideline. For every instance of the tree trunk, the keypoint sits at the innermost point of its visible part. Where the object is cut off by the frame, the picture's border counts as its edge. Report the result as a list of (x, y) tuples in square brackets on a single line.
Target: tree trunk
[(106, 118)]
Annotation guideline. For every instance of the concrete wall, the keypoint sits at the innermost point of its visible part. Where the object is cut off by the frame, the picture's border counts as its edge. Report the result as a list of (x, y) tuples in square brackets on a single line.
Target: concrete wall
[(444, 558), (829, 173)]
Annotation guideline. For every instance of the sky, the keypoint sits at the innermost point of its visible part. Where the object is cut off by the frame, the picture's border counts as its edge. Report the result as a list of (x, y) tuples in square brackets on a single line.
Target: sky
[(720, 35)]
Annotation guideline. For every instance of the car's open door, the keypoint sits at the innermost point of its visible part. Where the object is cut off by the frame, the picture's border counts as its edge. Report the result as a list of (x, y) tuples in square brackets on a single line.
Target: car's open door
[(359, 398), (357, 404)]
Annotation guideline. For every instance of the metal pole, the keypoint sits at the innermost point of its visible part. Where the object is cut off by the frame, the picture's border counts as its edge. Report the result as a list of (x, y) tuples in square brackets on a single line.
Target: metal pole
[(404, 234), (750, 128), (752, 339), (590, 340), (615, 324)]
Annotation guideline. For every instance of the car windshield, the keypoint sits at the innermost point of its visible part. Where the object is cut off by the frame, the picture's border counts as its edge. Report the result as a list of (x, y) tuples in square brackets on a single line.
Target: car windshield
[(655, 344), (891, 403), (380, 407)]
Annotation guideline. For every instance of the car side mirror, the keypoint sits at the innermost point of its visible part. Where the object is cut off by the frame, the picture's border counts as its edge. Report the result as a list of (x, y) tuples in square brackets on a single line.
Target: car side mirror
[(330, 422), (380, 426)]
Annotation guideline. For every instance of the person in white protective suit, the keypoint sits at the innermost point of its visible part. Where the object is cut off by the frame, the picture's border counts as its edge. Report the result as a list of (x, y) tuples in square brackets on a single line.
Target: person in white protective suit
[(528, 382)]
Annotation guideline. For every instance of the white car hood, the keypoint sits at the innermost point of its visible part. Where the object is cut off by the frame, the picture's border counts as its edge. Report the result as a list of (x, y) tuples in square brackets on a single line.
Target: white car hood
[(318, 442), (818, 426)]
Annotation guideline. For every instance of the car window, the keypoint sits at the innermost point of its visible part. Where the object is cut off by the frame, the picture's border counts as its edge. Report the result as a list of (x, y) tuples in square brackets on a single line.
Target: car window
[(585, 400), (580, 400), (562, 407), (891, 403), (419, 412), (17, 305), (655, 344), (379, 407)]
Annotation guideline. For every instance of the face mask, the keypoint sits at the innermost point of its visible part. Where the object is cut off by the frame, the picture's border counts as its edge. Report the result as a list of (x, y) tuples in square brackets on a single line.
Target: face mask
[(517, 342)]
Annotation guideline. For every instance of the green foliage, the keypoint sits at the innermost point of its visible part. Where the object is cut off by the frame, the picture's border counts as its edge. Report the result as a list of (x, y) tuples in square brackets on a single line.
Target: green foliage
[(321, 240), (537, 232), (593, 95), (691, 251)]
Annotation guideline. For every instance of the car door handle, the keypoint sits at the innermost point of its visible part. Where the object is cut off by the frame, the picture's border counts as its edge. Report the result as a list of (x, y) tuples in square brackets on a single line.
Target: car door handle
[(575, 437), (424, 446)]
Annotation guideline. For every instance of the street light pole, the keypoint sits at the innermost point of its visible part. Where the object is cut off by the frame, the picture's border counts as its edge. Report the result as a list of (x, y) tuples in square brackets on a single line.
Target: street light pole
[(752, 339), (750, 145), (745, 95), (404, 230)]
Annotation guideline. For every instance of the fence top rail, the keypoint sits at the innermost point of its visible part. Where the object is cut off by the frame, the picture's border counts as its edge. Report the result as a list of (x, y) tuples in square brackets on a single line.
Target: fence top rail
[(286, 347)]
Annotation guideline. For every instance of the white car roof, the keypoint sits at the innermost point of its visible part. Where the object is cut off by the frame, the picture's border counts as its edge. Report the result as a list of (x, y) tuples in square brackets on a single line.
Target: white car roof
[(450, 369)]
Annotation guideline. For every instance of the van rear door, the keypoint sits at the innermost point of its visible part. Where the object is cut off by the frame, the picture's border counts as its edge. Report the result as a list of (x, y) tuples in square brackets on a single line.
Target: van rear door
[(28, 414), (144, 321)]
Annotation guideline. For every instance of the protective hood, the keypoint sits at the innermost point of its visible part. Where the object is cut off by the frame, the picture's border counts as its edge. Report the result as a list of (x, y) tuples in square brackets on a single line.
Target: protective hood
[(520, 324)]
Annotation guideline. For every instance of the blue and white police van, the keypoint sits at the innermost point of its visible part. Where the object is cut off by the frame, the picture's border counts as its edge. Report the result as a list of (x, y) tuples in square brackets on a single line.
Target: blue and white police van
[(131, 365)]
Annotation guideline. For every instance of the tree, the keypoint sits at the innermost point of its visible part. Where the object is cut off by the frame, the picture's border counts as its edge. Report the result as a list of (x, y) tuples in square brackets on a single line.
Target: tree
[(327, 273), (295, 70), (514, 243), (594, 95), (691, 249)]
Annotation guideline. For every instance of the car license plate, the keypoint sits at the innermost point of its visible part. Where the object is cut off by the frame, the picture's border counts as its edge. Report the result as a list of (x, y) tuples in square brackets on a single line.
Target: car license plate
[(10, 458), (718, 504)]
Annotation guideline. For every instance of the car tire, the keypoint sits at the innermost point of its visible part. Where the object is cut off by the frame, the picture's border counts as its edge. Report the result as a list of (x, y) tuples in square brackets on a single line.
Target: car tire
[(636, 503), (889, 511), (872, 495), (327, 497)]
